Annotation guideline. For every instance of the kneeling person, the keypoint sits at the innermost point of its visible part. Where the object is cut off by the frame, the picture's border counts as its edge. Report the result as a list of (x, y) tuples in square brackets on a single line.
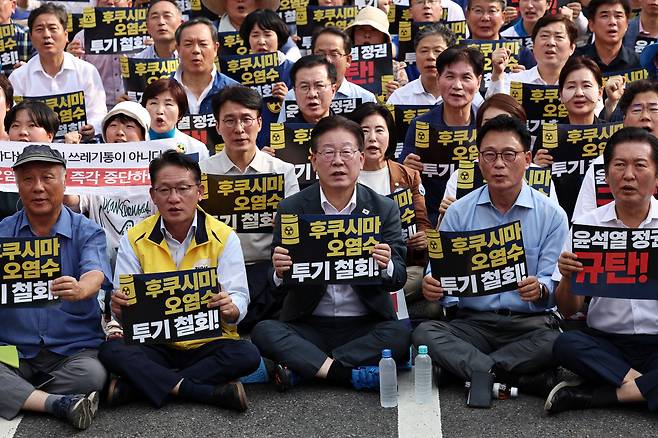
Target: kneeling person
[(182, 236)]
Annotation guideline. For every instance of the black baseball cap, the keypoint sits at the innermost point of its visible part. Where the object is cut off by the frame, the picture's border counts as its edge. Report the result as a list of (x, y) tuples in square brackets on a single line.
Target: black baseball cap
[(39, 153)]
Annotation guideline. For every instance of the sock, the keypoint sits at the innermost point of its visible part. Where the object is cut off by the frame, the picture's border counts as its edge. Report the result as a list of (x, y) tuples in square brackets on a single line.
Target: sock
[(339, 374), (54, 406), (604, 396), (196, 392)]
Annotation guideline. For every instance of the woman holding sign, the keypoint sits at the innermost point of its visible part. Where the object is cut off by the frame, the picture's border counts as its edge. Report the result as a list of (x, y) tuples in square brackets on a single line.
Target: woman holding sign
[(385, 176)]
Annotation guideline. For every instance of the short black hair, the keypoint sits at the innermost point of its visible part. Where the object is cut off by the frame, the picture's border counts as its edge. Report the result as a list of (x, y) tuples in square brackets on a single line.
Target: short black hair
[(626, 135), (193, 22), (548, 19), (172, 157), (311, 61), (347, 41), (633, 89), (332, 123), (469, 55), (155, 2), (49, 8), (505, 123), (371, 108), (594, 6), (267, 20), (40, 113), (245, 96), (438, 29)]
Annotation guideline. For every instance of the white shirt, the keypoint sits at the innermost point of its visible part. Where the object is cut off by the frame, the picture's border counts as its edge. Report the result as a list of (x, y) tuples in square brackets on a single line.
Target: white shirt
[(526, 77), (230, 264), (150, 53), (256, 246), (192, 100), (379, 180), (347, 90), (75, 75), (586, 200), (455, 12), (414, 94), (619, 315)]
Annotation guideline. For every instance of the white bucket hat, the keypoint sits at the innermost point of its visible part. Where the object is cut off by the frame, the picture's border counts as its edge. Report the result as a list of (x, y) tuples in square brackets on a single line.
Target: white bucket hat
[(370, 16)]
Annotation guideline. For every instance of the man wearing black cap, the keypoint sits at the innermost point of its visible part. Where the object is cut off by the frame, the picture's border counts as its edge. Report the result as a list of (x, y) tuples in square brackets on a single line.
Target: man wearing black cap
[(57, 344)]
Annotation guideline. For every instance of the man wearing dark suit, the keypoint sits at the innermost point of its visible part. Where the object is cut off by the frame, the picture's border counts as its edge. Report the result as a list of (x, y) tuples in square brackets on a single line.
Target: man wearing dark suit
[(337, 332)]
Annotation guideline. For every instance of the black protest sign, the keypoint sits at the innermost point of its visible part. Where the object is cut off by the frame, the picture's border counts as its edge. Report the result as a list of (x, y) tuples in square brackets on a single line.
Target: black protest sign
[(137, 73), (259, 71), (469, 178), (170, 306), (202, 128), (314, 17), (405, 201), (288, 10), (69, 107), (371, 67), (573, 147), (487, 47), (291, 143), (339, 107), (246, 203), (641, 42), (403, 115), (442, 148), (541, 103), (617, 262), (409, 30), (28, 267), (9, 50), (231, 44), (331, 249), (115, 30), (479, 262)]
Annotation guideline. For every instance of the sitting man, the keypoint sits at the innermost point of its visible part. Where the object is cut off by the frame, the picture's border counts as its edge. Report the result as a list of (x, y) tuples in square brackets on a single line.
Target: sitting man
[(334, 332), (618, 350), (182, 236), (238, 114), (509, 334), (58, 342)]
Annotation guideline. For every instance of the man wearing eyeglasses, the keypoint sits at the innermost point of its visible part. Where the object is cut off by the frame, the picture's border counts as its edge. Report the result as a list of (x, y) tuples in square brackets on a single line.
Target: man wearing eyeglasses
[(237, 110), (182, 236), (509, 334), (336, 46), (337, 332)]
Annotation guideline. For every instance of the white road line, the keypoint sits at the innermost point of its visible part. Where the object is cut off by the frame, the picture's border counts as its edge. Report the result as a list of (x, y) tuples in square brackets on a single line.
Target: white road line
[(8, 428), (416, 420)]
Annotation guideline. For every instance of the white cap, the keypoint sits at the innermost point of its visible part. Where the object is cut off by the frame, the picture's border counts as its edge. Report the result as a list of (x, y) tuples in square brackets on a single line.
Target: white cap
[(132, 110)]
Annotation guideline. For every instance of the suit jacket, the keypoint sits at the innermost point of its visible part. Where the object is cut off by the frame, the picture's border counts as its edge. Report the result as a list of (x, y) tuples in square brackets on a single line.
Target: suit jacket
[(403, 177), (300, 301)]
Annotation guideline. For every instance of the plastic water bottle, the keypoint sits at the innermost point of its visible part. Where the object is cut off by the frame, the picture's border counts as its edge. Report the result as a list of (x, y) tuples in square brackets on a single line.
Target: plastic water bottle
[(388, 381), (423, 376)]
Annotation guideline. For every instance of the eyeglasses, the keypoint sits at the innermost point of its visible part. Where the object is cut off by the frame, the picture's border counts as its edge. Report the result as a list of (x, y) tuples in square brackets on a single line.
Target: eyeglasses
[(182, 190), (424, 2), (246, 122), (332, 56), (319, 87), (638, 109), (507, 156), (481, 12), (330, 154)]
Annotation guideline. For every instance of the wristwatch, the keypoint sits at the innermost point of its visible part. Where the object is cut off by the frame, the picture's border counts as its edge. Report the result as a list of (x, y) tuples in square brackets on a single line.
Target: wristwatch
[(543, 291)]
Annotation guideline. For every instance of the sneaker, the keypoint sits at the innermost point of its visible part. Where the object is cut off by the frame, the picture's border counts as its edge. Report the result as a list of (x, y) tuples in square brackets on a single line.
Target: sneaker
[(78, 409), (120, 392), (539, 384), (568, 396), (261, 375), (231, 396), (366, 378), (285, 378)]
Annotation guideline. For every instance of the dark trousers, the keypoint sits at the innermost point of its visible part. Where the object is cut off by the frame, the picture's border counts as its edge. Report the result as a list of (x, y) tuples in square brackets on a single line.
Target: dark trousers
[(304, 345), (607, 357), (264, 302), (154, 370)]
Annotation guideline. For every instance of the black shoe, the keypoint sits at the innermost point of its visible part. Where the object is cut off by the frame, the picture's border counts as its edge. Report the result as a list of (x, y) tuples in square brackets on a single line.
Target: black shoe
[(120, 392), (284, 378), (231, 396), (567, 396), (442, 377), (79, 410), (539, 384)]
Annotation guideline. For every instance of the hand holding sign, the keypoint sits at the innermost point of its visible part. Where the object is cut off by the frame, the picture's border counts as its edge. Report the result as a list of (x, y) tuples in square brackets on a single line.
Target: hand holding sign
[(418, 241), (568, 264), (382, 254), (530, 289), (432, 290), (229, 311), (67, 288), (413, 161), (119, 301), (281, 261)]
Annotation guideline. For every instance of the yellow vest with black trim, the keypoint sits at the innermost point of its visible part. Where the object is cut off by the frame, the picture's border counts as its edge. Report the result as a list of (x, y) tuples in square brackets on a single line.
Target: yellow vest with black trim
[(206, 247)]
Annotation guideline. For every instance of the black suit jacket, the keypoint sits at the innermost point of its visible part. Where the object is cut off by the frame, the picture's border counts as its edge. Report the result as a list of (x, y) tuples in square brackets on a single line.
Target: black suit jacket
[(301, 301)]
